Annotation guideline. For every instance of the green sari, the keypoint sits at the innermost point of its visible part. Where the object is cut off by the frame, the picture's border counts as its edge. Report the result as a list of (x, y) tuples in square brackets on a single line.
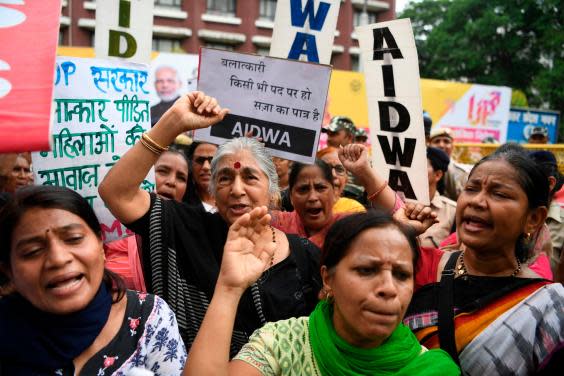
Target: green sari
[(400, 354)]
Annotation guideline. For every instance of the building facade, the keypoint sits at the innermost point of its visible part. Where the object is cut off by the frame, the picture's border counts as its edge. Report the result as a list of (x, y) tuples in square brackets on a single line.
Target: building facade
[(239, 25)]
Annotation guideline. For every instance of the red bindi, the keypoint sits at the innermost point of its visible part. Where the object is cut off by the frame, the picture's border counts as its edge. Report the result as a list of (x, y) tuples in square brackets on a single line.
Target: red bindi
[(237, 165)]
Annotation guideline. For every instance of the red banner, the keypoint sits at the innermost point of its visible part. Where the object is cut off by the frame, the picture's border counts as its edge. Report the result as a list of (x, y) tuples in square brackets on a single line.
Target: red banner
[(28, 44)]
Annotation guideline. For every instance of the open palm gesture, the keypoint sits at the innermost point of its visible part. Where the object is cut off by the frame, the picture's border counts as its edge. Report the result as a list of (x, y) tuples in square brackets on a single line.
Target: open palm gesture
[(248, 250)]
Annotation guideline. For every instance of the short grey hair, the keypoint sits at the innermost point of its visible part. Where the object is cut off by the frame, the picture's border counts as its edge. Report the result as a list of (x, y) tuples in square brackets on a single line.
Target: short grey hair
[(258, 151)]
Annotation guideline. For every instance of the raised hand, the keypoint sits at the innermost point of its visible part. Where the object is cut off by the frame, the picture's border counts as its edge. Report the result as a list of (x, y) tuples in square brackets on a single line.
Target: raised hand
[(248, 250), (195, 110), (416, 215), (355, 159)]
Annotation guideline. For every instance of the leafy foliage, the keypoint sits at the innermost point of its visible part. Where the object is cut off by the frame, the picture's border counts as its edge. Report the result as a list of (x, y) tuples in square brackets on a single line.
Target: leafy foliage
[(517, 43)]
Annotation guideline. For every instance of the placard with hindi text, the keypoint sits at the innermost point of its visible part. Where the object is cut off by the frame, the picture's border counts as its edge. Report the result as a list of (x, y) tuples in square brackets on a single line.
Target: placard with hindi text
[(280, 101), (101, 108)]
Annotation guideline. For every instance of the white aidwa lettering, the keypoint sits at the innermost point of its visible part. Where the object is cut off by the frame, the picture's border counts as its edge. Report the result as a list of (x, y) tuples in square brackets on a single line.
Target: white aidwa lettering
[(255, 128), (285, 139), (269, 135), (237, 130), (246, 131)]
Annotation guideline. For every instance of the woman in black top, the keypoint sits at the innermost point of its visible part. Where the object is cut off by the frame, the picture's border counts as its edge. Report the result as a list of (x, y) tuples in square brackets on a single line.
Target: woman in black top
[(183, 245)]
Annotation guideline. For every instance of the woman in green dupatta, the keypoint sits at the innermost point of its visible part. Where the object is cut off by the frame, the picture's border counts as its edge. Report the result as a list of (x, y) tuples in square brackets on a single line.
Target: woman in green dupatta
[(368, 277)]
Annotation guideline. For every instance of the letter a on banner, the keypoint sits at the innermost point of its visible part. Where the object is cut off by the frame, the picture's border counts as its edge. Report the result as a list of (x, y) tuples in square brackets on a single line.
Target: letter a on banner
[(124, 29), (395, 113), (304, 30)]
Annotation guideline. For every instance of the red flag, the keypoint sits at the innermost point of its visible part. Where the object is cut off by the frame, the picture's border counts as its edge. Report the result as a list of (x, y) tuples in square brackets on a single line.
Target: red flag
[(28, 44)]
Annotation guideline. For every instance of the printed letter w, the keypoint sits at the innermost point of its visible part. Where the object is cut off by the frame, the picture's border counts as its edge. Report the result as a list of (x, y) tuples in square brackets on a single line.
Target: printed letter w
[(299, 16)]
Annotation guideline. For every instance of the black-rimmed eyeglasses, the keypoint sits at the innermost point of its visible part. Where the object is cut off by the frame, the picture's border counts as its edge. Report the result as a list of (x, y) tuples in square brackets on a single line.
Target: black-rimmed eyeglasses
[(339, 169), (202, 160)]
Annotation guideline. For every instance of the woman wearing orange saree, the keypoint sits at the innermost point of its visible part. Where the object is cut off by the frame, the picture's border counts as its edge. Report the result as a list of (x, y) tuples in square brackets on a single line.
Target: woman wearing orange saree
[(482, 305)]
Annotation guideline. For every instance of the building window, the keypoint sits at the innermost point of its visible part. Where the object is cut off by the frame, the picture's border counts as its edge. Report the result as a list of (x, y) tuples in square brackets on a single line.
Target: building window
[(169, 3), (166, 45), (61, 37), (267, 9), (263, 51), (355, 63), (222, 7), (372, 18), (219, 46)]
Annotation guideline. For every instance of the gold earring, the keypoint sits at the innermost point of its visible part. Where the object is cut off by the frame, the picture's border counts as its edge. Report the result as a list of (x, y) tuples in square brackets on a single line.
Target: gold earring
[(528, 237)]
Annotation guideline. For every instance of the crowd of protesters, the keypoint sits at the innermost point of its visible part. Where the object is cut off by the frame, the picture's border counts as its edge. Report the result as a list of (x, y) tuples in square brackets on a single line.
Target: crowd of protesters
[(245, 264)]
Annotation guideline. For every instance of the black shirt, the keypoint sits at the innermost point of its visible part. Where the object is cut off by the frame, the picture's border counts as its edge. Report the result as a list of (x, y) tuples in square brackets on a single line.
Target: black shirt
[(182, 248)]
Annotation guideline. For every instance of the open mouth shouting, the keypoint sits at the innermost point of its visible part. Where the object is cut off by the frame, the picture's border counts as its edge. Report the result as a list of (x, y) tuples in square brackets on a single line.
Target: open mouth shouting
[(314, 213), (239, 209), (474, 223), (65, 284), (167, 195)]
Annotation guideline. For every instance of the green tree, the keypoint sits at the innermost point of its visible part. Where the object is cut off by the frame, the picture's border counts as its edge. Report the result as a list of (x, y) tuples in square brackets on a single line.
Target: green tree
[(518, 99), (517, 43), (425, 16)]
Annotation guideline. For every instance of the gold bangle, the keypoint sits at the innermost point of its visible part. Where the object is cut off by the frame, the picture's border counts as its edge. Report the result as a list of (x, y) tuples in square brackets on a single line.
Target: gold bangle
[(378, 191), (153, 143), (149, 147)]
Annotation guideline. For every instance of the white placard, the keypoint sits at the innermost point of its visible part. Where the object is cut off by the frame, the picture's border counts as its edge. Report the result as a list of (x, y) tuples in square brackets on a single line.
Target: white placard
[(101, 108), (395, 113), (280, 101), (124, 29), (304, 30)]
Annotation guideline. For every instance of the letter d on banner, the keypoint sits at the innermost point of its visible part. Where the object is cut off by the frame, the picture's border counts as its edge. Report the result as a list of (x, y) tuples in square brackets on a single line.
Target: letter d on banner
[(124, 29), (395, 113)]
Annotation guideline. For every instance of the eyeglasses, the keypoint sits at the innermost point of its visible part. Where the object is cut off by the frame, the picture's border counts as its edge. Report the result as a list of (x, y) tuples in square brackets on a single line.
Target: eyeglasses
[(339, 169), (202, 160)]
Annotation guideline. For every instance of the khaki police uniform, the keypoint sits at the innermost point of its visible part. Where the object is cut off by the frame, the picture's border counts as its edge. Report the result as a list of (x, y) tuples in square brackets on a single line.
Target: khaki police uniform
[(455, 179), (555, 223), (445, 209)]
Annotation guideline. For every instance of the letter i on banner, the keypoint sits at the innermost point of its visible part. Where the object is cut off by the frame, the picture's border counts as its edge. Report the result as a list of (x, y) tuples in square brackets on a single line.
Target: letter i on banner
[(395, 113), (304, 30), (124, 29)]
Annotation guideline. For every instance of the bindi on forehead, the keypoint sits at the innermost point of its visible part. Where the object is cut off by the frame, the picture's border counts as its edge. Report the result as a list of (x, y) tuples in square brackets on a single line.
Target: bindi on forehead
[(232, 170)]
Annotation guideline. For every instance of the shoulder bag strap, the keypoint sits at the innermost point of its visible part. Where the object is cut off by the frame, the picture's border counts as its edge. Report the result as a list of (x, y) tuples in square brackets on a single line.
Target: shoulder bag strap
[(299, 251), (446, 308)]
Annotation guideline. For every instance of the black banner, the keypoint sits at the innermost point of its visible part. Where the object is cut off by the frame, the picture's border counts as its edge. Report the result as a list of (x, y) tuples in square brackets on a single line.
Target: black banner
[(274, 135)]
